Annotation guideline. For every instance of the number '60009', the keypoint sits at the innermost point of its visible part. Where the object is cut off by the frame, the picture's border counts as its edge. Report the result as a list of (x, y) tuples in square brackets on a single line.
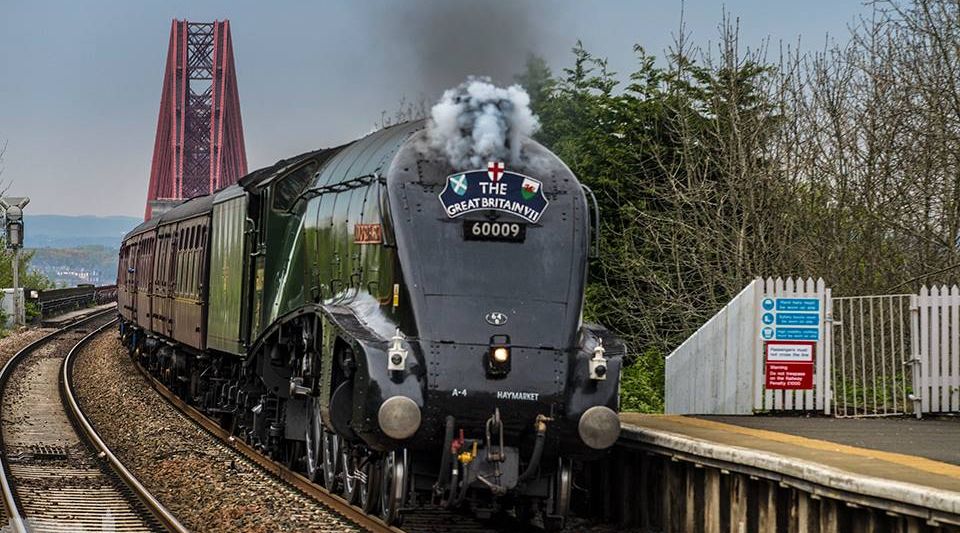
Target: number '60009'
[(496, 229)]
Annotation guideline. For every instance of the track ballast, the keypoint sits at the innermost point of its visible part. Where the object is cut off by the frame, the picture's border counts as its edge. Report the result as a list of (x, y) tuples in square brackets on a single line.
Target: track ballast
[(55, 478)]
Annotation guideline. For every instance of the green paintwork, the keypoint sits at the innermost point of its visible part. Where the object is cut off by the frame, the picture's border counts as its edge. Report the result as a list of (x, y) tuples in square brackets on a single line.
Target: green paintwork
[(312, 256), (227, 272)]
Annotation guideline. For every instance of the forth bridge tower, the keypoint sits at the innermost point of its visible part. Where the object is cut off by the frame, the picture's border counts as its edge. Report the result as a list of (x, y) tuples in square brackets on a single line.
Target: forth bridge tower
[(199, 146)]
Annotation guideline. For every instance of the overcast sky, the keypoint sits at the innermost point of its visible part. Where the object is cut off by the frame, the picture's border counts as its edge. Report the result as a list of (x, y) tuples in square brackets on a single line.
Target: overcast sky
[(80, 81)]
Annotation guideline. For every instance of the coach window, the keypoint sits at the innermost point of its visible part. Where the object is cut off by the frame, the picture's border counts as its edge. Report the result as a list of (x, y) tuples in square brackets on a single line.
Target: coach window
[(193, 260), (288, 188), (200, 254)]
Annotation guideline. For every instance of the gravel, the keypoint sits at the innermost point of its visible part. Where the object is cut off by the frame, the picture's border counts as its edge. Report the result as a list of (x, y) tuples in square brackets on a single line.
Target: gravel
[(16, 341), (207, 486), (10, 345)]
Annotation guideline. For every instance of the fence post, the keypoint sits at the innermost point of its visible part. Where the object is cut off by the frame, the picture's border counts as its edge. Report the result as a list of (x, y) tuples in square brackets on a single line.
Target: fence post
[(827, 395), (914, 361)]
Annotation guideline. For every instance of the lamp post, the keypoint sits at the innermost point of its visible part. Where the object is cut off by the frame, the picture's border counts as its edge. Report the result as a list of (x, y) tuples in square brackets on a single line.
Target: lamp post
[(13, 213)]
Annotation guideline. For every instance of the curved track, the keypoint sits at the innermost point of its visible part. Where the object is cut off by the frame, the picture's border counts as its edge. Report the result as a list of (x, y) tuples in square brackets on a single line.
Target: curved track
[(430, 520), (57, 475), (276, 469)]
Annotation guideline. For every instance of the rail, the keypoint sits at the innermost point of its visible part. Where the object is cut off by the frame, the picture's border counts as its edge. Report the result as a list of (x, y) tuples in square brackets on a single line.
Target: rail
[(276, 469), (67, 390), (17, 519)]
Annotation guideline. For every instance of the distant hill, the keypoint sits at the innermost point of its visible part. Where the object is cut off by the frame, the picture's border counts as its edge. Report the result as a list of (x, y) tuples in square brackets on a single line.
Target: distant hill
[(60, 231), (82, 264)]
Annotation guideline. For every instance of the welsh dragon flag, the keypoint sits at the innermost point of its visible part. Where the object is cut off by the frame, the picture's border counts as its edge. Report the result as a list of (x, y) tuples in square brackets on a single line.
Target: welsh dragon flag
[(529, 188)]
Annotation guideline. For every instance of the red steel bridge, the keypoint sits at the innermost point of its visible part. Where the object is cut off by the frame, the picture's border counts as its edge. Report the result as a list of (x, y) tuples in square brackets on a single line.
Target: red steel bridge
[(199, 146)]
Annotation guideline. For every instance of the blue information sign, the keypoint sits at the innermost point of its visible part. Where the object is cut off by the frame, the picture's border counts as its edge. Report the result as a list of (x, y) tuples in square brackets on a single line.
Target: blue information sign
[(790, 319), (798, 334), (798, 319), (798, 304)]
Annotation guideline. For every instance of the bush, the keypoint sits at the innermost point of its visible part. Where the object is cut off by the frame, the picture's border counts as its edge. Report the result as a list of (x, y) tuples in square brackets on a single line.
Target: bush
[(641, 383)]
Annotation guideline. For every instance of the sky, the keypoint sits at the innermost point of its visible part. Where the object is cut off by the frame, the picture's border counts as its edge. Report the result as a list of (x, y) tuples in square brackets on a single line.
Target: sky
[(80, 81)]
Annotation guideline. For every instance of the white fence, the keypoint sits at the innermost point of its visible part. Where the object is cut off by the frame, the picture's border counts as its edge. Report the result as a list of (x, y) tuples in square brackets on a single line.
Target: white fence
[(712, 371), (720, 368), (935, 343), (892, 355), (819, 397)]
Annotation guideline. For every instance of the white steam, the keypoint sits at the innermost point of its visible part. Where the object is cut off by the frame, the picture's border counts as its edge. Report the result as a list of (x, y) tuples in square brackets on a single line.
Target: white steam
[(477, 122)]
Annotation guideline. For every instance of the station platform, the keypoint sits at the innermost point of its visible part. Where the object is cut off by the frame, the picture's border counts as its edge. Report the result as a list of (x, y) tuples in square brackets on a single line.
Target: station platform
[(932, 438), (66, 318), (916, 462)]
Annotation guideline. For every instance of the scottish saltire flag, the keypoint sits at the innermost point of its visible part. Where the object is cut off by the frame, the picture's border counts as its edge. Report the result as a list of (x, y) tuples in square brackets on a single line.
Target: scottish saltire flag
[(459, 184)]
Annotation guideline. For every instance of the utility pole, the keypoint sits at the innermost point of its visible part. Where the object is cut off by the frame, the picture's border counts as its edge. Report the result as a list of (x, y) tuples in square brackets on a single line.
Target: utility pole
[(13, 212)]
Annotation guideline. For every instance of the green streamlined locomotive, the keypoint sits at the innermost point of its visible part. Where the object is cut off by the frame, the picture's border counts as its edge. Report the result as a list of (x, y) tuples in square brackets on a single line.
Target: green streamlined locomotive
[(398, 330)]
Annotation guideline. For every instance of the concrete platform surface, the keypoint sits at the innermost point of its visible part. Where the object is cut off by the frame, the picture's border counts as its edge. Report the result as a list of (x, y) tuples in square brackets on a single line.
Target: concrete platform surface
[(922, 453), (934, 438), (66, 318)]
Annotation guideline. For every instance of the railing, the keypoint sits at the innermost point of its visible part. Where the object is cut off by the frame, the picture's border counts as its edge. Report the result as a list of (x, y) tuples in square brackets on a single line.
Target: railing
[(890, 354), (54, 302)]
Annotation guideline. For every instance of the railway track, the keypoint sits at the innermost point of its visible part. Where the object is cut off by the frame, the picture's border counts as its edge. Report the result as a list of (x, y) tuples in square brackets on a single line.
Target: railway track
[(274, 468), (431, 520), (57, 475)]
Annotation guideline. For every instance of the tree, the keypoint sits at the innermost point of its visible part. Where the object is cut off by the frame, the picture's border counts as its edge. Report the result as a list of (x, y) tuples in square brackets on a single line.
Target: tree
[(718, 166), (538, 81)]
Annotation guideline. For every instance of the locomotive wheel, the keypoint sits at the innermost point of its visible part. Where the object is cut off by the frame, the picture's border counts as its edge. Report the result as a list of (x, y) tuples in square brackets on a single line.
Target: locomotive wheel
[(331, 461), (294, 455), (560, 488), (393, 487), (348, 464), (370, 485), (314, 446)]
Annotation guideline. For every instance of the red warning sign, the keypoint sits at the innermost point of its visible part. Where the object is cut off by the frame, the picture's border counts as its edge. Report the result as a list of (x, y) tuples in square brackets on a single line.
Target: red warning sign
[(789, 365)]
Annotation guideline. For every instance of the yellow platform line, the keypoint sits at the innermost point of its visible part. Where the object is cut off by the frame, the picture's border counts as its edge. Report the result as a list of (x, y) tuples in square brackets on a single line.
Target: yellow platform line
[(911, 461)]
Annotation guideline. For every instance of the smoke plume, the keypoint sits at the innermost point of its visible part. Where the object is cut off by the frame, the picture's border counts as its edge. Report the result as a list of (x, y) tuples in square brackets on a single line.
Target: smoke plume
[(433, 44), (477, 122)]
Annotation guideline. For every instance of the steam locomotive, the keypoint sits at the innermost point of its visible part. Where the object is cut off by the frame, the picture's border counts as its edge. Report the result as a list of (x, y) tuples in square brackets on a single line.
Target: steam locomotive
[(400, 331)]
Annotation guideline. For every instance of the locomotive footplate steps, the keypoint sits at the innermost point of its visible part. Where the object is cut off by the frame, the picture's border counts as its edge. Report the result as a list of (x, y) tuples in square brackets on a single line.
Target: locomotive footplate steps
[(907, 488)]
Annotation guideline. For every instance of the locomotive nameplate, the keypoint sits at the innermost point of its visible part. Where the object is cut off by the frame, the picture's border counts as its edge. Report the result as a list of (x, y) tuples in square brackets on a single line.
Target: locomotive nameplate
[(367, 234), (494, 189), (485, 230)]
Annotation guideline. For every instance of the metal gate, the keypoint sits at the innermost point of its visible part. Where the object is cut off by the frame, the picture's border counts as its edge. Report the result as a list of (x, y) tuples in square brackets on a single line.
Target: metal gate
[(871, 355)]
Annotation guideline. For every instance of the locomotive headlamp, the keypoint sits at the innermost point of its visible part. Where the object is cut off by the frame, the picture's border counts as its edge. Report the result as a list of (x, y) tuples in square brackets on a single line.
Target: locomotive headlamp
[(598, 363), (397, 354), (497, 361)]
